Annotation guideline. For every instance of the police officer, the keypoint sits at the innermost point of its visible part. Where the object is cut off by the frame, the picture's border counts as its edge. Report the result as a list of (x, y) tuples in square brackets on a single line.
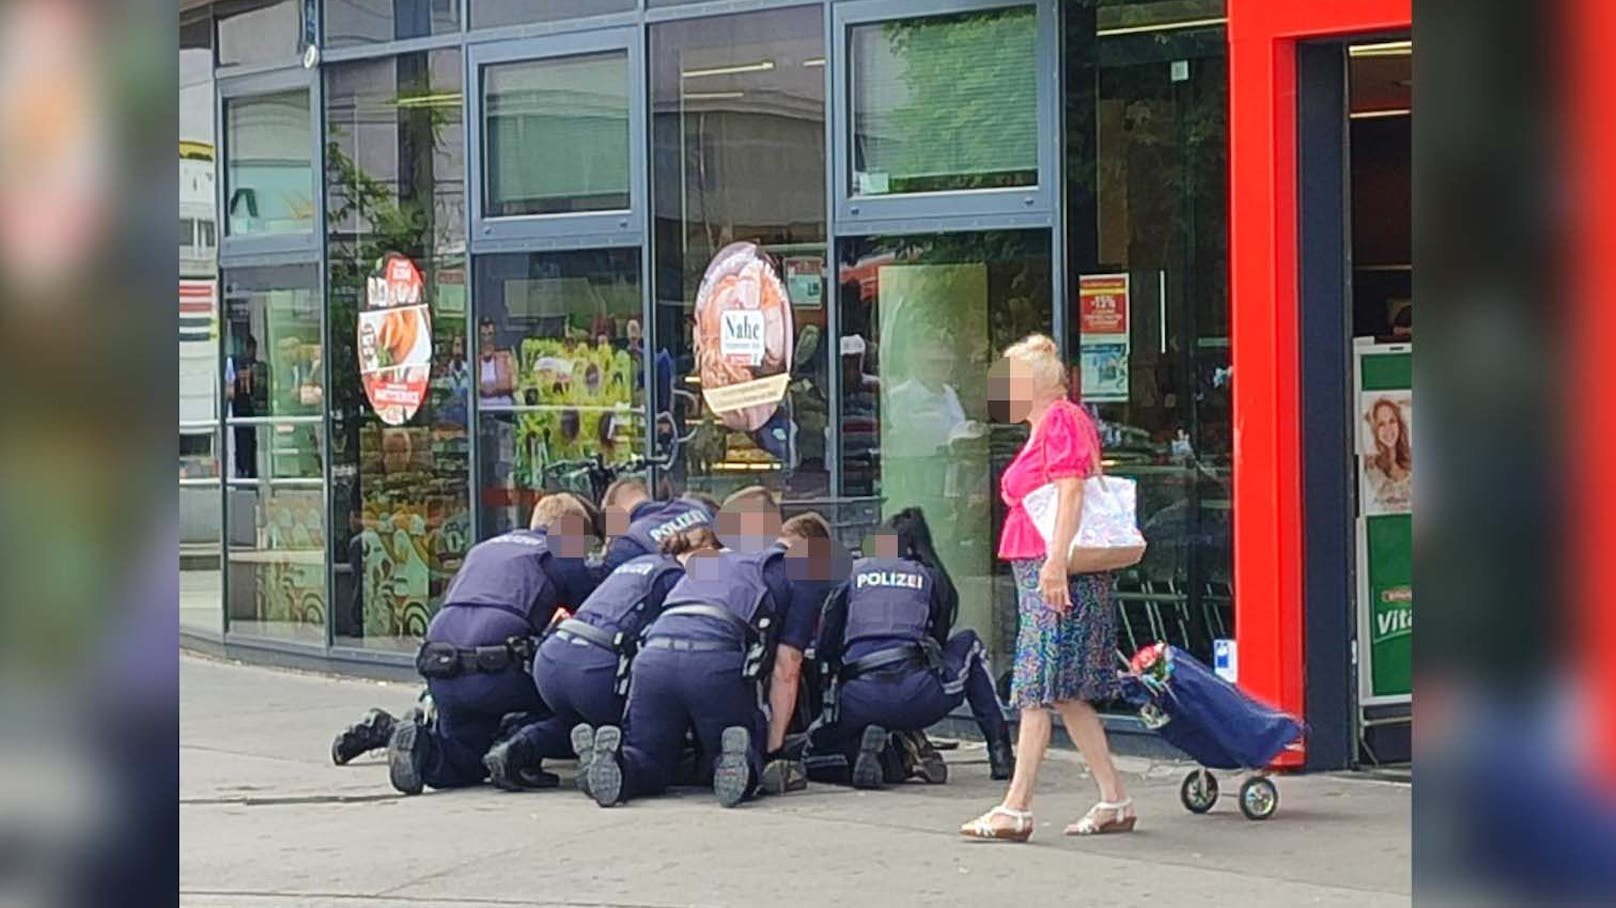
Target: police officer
[(730, 637), (581, 669), (638, 524), (884, 643), (473, 659)]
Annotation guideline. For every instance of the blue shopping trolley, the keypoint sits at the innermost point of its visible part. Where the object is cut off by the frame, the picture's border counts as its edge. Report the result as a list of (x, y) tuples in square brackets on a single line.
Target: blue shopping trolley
[(1212, 722)]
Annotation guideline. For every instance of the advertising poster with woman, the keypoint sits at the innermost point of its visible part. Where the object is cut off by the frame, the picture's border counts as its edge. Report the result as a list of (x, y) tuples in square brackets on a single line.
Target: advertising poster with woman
[(395, 340), (1384, 443), (1386, 451)]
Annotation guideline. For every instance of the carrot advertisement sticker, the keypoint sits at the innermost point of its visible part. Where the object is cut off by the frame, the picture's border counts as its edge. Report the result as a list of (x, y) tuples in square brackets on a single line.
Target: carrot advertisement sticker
[(395, 340), (743, 337)]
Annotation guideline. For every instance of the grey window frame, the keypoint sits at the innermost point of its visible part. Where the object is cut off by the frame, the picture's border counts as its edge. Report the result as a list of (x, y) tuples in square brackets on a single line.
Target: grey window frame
[(233, 247), (543, 232), (948, 210)]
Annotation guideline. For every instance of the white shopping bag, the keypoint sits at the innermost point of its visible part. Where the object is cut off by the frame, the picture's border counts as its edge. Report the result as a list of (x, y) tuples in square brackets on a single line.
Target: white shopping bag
[(1107, 536)]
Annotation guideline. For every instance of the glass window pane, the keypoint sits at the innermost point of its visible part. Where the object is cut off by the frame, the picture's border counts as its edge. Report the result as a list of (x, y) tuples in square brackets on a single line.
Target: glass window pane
[(201, 574), (495, 13), (201, 595), (1148, 309), (557, 135), (945, 103), (274, 516), (923, 319), (272, 346), (350, 22), (259, 31), (738, 126), (400, 494), (559, 372), (269, 172)]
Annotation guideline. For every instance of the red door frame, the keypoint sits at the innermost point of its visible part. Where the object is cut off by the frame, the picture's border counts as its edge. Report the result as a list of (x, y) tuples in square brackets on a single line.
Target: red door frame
[(1585, 30), (1264, 326)]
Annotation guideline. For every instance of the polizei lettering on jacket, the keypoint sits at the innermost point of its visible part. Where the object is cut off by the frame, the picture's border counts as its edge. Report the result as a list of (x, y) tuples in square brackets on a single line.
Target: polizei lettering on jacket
[(890, 578), (685, 521), (639, 569)]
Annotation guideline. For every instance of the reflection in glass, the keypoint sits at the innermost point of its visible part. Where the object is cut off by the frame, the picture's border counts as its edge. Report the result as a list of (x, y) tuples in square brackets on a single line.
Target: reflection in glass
[(272, 352), (202, 463), (923, 319), (557, 135), (945, 103), (274, 502), (495, 13), (269, 174), (259, 31), (738, 127), (400, 494), (1147, 214), (350, 22), (559, 371)]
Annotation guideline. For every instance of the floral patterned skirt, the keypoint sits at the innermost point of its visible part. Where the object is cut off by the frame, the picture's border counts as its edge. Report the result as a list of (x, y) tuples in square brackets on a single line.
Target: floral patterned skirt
[(1060, 658)]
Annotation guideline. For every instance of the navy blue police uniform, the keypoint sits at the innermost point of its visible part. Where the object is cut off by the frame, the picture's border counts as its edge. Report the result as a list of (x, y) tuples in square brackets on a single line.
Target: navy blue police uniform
[(581, 668), (884, 641), (652, 523), (704, 666), (473, 656)]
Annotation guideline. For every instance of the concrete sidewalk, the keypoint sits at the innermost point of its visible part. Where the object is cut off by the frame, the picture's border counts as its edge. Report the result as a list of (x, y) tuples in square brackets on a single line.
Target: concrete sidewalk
[(266, 820)]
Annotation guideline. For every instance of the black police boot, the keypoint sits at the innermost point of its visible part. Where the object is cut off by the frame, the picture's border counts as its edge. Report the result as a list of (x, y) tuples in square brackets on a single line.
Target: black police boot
[(867, 765), (511, 723), (732, 776), (605, 770), (512, 767), (1001, 759), (583, 744), (368, 734), (407, 753)]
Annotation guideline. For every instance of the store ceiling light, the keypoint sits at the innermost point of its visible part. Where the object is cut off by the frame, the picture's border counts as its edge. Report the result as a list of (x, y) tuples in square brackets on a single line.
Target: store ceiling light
[(713, 95), (814, 61), (449, 99), (761, 66), (1380, 114), (1383, 49), (1160, 27)]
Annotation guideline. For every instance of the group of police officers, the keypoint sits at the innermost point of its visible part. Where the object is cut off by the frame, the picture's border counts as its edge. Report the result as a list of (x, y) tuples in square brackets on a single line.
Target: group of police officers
[(677, 658)]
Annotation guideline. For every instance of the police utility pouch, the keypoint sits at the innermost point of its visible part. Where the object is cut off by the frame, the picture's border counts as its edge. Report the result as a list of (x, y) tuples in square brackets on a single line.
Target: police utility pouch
[(438, 660), (932, 653)]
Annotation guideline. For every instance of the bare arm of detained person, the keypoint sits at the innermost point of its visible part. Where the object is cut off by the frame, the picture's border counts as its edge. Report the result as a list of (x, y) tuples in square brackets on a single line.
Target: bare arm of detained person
[(783, 682)]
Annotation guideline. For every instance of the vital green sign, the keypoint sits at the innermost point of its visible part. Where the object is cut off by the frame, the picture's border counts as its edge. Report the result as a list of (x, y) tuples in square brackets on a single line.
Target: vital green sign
[(1384, 448)]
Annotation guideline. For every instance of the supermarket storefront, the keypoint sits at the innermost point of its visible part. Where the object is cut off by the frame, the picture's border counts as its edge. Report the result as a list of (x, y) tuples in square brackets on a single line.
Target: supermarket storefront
[(436, 253)]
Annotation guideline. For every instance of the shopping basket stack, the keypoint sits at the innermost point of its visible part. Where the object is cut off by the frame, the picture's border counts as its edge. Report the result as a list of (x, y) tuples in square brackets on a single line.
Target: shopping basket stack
[(1212, 722)]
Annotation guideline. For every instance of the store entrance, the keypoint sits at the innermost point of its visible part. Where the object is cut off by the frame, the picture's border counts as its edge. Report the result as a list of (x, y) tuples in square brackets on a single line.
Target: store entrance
[(1354, 120), (1379, 143)]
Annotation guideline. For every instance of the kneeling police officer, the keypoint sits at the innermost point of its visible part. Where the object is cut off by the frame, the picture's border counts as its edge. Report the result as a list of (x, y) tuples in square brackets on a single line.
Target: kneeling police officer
[(638, 525), (582, 666), (884, 644), (730, 637), (476, 649)]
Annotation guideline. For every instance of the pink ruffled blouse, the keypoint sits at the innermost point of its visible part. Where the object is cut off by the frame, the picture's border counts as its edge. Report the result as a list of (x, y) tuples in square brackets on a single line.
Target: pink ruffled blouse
[(1063, 444)]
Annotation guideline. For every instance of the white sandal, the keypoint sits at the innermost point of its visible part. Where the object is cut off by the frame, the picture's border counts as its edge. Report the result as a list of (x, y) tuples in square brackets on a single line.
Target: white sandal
[(983, 828), (1089, 825)]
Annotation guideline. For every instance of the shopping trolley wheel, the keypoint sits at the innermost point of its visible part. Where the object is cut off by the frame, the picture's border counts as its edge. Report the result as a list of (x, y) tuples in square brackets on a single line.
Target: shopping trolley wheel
[(1199, 791), (1258, 798)]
